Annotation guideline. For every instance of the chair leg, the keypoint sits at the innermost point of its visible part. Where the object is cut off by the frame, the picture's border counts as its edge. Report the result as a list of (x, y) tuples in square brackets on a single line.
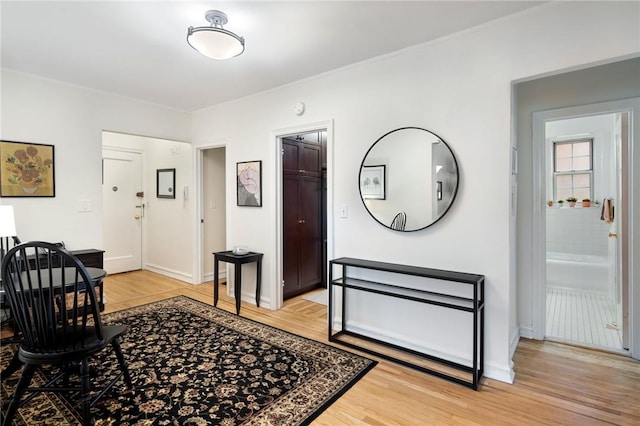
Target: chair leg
[(86, 396), (14, 365), (23, 383), (123, 365)]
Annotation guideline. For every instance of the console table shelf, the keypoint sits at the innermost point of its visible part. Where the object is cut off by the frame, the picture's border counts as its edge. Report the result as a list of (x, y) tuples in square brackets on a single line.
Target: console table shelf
[(473, 304)]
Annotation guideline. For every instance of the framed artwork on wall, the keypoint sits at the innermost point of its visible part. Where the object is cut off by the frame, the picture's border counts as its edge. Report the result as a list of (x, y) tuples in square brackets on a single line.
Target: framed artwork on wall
[(166, 183), (27, 170), (249, 182), (372, 182)]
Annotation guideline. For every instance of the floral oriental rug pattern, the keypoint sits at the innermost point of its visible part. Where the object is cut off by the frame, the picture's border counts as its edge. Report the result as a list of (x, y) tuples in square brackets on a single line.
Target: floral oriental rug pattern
[(193, 364)]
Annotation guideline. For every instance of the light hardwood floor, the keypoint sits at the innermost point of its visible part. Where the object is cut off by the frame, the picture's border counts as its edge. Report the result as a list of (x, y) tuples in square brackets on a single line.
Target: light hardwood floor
[(555, 384)]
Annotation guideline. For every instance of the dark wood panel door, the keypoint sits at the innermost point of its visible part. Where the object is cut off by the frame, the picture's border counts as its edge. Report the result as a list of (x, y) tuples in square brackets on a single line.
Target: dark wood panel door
[(310, 232), (302, 215), (301, 157), (291, 234), (290, 157), (310, 159)]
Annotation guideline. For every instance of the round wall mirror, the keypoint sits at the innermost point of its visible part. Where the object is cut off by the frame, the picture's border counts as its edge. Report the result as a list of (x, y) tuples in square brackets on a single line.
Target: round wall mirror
[(408, 179)]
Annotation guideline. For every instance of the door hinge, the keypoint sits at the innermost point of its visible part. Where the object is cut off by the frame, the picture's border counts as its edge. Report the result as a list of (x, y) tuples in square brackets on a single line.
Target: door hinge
[(282, 151), (282, 283)]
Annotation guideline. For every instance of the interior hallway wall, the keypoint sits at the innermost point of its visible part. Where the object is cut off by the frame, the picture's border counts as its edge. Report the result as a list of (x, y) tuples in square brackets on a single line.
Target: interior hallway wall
[(44, 111), (166, 233)]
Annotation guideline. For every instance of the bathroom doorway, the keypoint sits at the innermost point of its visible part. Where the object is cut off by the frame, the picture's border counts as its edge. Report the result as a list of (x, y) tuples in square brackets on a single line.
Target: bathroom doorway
[(587, 197)]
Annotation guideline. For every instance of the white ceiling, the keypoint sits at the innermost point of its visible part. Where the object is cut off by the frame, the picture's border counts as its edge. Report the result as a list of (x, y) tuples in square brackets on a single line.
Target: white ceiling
[(138, 48)]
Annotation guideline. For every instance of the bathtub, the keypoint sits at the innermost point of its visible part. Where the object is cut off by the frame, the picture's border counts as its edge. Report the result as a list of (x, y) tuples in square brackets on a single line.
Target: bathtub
[(578, 271)]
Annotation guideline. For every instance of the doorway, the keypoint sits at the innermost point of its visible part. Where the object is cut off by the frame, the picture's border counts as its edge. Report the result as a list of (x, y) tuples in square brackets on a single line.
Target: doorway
[(213, 208), (304, 212), (275, 274), (583, 293)]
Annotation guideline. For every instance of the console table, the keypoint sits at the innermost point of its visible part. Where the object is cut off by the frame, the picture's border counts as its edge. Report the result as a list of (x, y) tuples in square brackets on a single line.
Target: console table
[(238, 260), (473, 304)]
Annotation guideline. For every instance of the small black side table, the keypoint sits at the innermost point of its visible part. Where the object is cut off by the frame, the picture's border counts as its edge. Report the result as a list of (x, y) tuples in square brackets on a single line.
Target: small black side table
[(238, 260)]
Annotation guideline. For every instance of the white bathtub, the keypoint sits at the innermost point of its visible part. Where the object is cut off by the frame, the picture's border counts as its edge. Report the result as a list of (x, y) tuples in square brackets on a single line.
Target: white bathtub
[(578, 271)]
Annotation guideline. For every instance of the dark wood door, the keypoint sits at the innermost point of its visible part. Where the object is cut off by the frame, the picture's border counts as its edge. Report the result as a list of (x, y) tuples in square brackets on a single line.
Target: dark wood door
[(291, 237), (302, 216), (310, 232)]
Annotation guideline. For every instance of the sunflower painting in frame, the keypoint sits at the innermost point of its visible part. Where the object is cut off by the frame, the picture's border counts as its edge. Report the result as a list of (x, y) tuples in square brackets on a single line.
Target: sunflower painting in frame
[(26, 170)]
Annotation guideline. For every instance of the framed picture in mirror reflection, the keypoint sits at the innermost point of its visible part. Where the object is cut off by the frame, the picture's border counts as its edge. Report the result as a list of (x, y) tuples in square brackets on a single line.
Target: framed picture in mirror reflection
[(373, 182)]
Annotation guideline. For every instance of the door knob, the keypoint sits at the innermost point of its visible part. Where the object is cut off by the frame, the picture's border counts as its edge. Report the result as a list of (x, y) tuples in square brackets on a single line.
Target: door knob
[(136, 217), (613, 235)]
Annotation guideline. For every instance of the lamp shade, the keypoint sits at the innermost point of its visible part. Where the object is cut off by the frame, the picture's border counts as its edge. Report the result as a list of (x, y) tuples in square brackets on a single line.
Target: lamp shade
[(7, 222), (214, 41)]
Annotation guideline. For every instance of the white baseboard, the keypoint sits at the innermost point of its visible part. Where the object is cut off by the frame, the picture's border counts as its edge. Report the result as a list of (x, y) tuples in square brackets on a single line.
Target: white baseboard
[(169, 273), (222, 275), (526, 331), (515, 339)]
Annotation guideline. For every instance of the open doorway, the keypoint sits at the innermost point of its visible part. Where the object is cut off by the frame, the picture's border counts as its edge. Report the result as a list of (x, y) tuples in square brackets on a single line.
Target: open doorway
[(140, 219), (213, 209), (276, 292), (586, 292), (304, 212), (602, 153)]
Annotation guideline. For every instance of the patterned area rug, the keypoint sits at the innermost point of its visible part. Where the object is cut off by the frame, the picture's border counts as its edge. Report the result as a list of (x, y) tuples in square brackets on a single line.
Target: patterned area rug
[(194, 364)]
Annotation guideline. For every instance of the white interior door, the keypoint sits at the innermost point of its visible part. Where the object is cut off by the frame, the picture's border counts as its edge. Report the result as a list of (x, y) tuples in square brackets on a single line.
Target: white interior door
[(123, 210)]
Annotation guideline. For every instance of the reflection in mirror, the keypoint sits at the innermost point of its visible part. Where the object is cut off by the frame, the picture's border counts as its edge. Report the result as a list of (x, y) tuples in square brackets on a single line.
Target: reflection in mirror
[(408, 179)]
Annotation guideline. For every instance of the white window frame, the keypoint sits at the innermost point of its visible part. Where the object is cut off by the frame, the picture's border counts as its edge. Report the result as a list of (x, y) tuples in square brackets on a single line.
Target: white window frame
[(573, 172)]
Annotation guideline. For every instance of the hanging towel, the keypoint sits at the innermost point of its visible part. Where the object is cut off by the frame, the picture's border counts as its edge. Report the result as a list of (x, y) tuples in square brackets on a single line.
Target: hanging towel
[(607, 210)]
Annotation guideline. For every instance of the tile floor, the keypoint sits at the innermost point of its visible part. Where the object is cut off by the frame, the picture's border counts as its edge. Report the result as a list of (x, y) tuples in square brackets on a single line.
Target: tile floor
[(582, 318)]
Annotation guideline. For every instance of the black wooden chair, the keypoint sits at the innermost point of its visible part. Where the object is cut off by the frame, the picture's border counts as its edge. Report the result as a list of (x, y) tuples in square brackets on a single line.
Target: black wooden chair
[(6, 243), (399, 221), (57, 313)]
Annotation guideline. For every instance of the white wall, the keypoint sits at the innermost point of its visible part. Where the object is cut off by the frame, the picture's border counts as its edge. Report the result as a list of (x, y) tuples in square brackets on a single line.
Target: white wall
[(458, 87), (71, 118)]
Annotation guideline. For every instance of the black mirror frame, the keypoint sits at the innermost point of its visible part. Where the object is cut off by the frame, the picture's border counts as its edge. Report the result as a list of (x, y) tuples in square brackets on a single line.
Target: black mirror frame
[(455, 192)]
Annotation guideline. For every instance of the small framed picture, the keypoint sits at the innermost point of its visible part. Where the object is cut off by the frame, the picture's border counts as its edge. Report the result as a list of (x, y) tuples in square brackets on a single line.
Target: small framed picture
[(27, 170), (373, 182), (166, 183), (249, 181)]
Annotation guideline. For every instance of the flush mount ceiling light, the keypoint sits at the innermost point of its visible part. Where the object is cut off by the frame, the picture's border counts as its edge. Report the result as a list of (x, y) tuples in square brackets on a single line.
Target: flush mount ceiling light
[(214, 41)]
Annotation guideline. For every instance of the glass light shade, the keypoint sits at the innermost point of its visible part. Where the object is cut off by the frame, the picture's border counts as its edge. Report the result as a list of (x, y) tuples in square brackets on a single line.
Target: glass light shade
[(215, 43), (7, 222)]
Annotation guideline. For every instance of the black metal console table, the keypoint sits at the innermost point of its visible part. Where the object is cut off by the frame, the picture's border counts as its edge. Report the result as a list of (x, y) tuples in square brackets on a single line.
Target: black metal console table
[(472, 303)]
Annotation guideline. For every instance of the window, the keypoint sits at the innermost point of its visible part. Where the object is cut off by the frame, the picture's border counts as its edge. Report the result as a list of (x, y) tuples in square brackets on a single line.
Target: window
[(573, 169)]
